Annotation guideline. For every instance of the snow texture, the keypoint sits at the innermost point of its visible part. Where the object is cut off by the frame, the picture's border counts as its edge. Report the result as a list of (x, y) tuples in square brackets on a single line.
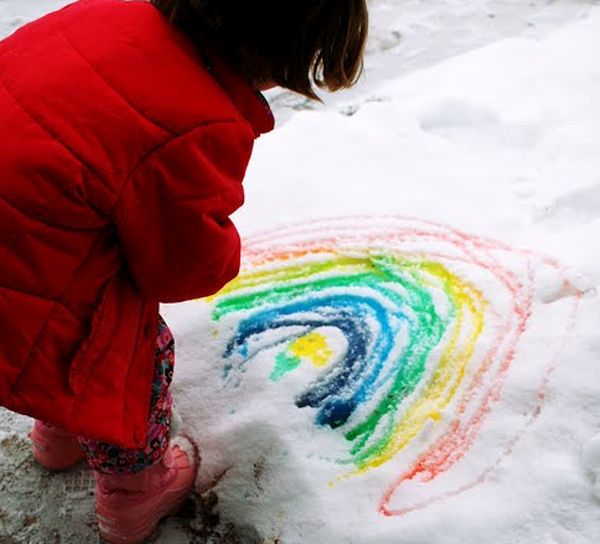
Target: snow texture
[(410, 352)]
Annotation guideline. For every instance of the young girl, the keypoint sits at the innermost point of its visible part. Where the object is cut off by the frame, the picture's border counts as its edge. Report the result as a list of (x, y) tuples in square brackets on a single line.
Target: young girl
[(126, 130)]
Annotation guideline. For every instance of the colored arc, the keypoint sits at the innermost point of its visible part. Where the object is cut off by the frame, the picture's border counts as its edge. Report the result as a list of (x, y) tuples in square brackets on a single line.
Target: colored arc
[(406, 296)]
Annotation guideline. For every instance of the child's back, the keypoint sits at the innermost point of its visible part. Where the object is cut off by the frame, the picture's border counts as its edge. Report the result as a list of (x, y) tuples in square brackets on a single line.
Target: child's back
[(126, 132), (121, 163)]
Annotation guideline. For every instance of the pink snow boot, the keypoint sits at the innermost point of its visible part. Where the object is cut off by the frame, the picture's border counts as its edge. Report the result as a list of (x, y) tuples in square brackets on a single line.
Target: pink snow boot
[(54, 448), (129, 506)]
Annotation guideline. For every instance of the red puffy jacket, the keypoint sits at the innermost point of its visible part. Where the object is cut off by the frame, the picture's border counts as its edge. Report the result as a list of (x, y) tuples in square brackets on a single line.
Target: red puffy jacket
[(122, 153)]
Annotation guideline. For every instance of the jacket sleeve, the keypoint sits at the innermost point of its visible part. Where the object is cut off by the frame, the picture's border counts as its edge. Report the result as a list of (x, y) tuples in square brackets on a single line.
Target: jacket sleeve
[(172, 217)]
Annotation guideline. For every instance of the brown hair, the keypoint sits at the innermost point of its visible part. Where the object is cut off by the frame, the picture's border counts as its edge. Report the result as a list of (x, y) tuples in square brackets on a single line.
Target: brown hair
[(294, 43)]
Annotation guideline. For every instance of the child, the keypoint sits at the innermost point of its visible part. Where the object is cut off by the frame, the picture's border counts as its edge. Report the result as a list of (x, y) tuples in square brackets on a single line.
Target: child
[(126, 130)]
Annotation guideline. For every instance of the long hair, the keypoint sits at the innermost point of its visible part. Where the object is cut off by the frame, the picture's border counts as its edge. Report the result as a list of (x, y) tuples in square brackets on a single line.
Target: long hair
[(296, 44)]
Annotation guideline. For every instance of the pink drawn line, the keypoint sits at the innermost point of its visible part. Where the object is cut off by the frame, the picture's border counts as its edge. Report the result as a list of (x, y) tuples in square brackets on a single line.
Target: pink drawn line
[(459, 437)]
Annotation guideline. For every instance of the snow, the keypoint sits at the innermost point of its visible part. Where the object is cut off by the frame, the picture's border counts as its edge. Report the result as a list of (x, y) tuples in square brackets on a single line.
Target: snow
[(466, 167)]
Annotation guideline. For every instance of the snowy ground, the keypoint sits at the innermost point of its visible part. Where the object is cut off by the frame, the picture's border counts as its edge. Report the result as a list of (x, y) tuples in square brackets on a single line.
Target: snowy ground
[(478, 116)]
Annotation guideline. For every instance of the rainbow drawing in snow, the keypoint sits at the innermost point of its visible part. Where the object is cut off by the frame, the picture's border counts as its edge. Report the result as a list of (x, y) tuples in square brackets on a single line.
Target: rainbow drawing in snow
[(408, 325)]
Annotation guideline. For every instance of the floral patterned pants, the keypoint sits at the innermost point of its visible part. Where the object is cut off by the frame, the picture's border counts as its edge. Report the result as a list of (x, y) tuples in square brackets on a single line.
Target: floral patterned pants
[(111, 459)]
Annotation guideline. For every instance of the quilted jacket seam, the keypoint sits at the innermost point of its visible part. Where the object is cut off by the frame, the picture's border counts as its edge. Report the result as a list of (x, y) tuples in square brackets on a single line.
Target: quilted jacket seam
[(10, 244), (113, 89), (50, 224), (55, 303), (50, 133), (26, 293), (157, 148)]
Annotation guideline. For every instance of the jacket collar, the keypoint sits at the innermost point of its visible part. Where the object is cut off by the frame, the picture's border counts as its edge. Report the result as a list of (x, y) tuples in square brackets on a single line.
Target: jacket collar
[(248, 101)]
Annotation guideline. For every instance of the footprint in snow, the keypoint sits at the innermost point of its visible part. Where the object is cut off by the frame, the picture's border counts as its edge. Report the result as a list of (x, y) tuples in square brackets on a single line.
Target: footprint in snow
[(459, 121)]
